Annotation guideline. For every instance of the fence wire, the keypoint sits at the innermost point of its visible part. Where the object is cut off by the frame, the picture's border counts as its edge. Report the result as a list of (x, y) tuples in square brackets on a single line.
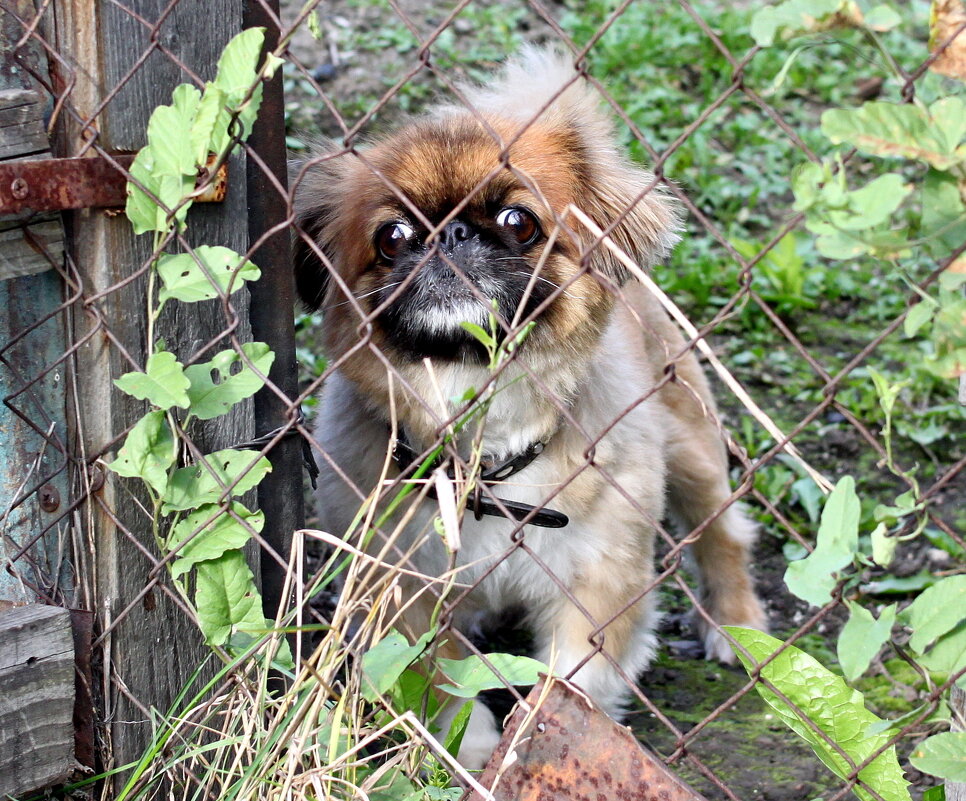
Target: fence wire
[(453, 557)]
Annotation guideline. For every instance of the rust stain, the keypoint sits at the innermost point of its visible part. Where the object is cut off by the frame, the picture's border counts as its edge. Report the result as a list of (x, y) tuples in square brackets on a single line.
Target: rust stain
[(570, 751)]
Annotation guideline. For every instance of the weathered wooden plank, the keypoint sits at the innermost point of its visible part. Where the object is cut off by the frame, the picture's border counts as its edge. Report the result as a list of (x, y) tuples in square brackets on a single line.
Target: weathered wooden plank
[(36, 698), (154, 648), (28, 250), (21, 123)]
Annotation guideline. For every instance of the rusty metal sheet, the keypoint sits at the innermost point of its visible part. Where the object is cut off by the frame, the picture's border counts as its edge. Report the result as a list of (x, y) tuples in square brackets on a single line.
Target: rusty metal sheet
[(79, 183), (569, 751)]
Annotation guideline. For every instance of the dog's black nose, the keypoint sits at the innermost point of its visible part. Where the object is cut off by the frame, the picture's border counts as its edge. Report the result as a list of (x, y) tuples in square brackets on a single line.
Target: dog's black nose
[(454, 233)]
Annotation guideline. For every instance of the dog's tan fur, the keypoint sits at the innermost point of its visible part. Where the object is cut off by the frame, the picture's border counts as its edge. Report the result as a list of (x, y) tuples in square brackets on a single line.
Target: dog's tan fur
[(591, 374)]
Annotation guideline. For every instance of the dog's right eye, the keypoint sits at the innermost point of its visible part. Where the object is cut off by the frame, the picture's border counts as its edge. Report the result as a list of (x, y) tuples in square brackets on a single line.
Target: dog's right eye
[(390, 239)]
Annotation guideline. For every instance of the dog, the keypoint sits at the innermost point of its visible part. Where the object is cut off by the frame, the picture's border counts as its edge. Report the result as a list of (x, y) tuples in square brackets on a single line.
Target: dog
[(431, 250)]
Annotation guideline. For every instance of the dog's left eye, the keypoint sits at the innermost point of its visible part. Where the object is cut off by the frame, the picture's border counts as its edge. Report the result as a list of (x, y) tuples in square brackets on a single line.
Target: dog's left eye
[(390, 239), (520, 223)]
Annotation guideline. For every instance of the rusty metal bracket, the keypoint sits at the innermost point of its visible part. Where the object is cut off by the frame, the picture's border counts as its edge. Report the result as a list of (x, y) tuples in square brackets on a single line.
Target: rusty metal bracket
[(567, 750), (40, 185)]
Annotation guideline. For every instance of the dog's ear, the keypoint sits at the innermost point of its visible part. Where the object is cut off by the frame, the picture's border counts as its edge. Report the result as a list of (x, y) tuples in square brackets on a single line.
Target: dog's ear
[(541, 86), (319, 197)]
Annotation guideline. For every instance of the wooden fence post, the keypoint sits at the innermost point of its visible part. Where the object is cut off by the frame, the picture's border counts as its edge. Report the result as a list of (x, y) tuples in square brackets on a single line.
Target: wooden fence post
[(151, 648)]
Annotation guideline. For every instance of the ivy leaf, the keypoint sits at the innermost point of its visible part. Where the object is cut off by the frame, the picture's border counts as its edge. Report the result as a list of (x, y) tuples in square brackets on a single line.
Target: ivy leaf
[(214, 389), (385, 662), (148, 452), (227, 599), (217, 532), (938, 610), (472, 675), (902, 130), (813, 578), (831, 705), (193, 486), (862, 637), (163, 383), (185, 280), (942, 755)]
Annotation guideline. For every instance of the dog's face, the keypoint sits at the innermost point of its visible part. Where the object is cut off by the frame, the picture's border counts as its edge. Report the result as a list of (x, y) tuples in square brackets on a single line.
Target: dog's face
[(463, 214)]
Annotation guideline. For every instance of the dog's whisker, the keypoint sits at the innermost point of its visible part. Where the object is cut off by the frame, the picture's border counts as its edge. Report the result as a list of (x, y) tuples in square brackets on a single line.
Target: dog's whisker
[(363, 295)]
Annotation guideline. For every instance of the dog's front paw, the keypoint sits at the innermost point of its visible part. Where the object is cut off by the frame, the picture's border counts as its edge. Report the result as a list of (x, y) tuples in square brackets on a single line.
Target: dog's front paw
[(746, 612)]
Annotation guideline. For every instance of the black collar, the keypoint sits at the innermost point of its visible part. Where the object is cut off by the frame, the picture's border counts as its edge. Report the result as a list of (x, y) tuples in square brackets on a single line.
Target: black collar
[(405, 456)]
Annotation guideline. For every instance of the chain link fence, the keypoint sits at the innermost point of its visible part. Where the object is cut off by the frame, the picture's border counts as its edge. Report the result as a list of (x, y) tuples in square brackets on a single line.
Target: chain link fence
[(486, 491)]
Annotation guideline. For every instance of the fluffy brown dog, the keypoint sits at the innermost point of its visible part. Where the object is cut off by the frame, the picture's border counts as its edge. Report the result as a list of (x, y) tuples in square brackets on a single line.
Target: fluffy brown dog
[(466, 211)]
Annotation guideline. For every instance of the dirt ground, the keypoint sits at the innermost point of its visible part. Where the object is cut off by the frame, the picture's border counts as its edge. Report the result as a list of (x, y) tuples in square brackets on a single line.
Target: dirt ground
[(745, 745)]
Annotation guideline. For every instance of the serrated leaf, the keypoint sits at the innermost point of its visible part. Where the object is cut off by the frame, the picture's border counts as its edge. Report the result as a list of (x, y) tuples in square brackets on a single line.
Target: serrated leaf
[(795, 17), (169, 134), (148, 452), (942, 755), (214, 389), (831, 706), (209, 532), (469, 677), (813, 578), (861, 638), (898, 130), (163, 383), (938, 610), (185, 280), (227, 599), (385, 662), (193, 486), (204, 135)]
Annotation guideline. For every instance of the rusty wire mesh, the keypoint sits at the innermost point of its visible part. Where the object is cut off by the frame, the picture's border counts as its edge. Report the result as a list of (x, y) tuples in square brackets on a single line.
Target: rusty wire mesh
[(57, 561)]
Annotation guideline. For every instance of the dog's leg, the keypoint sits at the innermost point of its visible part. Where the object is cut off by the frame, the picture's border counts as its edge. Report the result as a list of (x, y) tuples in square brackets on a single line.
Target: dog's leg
[(565, 631), (698, 492)]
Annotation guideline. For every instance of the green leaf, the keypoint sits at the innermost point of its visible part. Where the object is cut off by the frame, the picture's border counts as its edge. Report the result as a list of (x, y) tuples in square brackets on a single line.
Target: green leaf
[(942, 755), (169, 134), (873, 204), (882, 18), (227, 598), (901, 130), (214, 389), (830, 704), (164, 383), (217, 532), (948, 654), (883, 546), (894, 585), (142, 210), (454, 737), (237, 74), (148, 452), (943, 213), (185, 279), (472, 675), (205, 137), (917, 317), (938, 610), (479, 333), (198, 484), (862, 637), (937, 793), (813, 578), (795, 17), (385, 662)]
